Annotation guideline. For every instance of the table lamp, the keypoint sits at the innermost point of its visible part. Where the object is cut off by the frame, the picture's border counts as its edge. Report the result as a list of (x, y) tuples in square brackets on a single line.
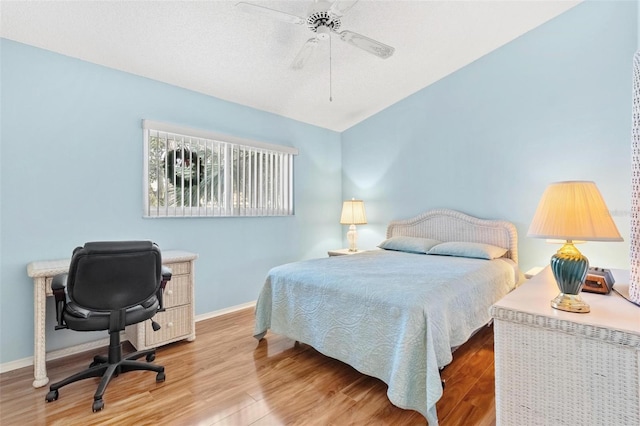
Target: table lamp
[(353, 214), (572, 211)]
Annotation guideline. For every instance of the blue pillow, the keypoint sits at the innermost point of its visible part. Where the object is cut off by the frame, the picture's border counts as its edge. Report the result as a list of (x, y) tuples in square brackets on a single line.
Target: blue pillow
[(465, 249), (409, 244)]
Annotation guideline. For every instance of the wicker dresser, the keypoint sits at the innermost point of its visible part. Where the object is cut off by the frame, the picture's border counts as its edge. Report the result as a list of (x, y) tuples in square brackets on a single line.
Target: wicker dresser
[(177, 320), (560, 368)]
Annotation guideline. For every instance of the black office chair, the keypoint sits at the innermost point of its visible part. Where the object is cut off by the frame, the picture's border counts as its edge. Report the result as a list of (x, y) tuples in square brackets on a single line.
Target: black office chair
[(110, 285)]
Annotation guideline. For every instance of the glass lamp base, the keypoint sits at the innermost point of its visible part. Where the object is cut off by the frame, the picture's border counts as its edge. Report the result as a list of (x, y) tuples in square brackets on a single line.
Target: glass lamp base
[(570, 303), (569, 268), (352, 237)]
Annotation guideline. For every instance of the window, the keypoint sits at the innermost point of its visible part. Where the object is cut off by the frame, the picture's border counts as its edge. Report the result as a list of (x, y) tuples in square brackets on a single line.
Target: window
[(197, 173)]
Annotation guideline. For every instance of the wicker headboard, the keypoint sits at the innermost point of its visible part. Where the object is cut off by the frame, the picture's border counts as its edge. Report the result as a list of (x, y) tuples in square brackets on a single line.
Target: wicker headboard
[(451, 225)]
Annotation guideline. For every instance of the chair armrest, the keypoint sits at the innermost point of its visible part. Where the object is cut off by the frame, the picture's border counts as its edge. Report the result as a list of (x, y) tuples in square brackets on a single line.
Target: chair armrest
[(59, 288), (59, 282), (167, 273)]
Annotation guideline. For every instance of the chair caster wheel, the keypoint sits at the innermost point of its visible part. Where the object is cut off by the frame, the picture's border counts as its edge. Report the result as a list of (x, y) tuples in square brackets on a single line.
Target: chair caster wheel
[(97, 360), (151, 357), (160, 377), (98, 405), (52, 395)]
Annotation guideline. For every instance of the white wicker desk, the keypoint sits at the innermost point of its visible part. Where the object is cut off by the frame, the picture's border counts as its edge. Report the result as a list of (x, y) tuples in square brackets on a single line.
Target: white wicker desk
[(43, 272), (561, 368)]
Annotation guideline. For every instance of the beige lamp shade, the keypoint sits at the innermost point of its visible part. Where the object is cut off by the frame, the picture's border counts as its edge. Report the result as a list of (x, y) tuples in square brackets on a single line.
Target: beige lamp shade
[(353, 213), (573, 210)]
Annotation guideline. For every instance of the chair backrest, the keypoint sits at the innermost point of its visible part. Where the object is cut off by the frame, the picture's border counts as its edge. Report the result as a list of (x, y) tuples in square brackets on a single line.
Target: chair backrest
[(114, 275)]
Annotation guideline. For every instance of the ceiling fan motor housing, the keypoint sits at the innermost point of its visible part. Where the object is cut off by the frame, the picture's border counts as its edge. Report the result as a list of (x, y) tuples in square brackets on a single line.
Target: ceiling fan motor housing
[(322, 22)]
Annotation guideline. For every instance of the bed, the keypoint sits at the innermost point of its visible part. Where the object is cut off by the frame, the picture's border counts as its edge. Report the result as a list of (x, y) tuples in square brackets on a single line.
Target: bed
[(395, 313)]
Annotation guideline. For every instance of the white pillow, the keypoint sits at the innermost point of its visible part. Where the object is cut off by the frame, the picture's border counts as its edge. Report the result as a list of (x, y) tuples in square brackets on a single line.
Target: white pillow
[(409, 244), (465, 249)]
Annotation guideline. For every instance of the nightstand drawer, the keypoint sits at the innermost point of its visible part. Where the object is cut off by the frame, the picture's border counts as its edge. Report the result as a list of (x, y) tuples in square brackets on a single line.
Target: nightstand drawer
[(177, 292), (174, 322), (180, 268)]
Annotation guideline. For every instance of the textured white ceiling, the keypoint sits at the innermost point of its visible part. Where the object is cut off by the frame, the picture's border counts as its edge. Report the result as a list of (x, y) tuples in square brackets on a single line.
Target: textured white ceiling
[(214, 48)]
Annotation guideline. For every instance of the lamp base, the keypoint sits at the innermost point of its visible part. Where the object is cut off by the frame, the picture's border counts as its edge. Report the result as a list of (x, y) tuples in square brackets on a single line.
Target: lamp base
[(570, 303), (569, 268), (352, 237)]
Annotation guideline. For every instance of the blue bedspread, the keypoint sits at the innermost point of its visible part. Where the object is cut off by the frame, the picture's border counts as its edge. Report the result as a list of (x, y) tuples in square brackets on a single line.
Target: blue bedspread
[(391, 315)]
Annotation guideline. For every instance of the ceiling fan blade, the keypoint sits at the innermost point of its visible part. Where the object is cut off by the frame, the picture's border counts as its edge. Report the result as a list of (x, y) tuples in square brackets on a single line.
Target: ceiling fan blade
[(305, 53), (272, 13), (366, 43), (340, 7)]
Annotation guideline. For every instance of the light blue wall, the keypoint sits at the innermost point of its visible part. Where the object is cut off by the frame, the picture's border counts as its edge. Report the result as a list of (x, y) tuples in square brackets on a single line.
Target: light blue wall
[(554, 104), (72, 172)]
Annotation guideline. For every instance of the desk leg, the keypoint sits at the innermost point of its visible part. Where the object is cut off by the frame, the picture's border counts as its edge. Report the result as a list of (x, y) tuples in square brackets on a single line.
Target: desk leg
[(39, 336)]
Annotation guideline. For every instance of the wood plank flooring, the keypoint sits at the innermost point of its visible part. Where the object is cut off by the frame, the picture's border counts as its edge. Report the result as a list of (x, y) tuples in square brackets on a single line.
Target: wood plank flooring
[(226, 377)]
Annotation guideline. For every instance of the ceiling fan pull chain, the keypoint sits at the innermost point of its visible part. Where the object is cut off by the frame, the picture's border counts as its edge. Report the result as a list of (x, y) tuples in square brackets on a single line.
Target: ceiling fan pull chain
[(330, 81)]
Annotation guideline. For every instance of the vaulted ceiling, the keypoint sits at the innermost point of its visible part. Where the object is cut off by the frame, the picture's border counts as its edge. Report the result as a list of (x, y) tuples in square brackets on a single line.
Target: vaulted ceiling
[(216, 48)]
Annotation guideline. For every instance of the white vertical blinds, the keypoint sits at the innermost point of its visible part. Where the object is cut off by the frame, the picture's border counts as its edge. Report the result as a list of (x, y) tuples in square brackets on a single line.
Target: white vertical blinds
[(192, 173)]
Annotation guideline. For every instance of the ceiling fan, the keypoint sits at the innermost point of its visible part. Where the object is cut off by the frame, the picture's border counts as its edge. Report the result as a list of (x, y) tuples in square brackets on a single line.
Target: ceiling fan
[(322, 19)]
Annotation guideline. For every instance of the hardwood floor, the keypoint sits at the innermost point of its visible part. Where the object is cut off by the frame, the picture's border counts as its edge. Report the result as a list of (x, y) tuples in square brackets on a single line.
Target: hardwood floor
[(225, 377)]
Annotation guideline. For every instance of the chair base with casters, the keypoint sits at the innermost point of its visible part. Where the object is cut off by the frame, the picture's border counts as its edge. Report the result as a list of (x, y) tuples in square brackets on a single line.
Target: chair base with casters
[(109, 366), (119, 267)]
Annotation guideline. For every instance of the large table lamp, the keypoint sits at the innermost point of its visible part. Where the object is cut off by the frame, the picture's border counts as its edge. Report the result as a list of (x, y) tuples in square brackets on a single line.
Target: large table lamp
[(353, 214), (572, 211)]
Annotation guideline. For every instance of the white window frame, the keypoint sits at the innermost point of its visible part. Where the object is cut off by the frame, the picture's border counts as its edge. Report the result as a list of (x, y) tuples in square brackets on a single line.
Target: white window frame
[(260, 184)]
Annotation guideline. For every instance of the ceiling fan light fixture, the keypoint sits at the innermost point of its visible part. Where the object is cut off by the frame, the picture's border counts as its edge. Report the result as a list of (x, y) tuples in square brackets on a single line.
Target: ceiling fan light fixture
[(323, 32)]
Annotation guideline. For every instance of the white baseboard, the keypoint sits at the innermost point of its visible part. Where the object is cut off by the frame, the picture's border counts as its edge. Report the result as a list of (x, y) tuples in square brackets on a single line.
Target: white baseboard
[(14, 365), (59, 353), (225, 311), (27, 362)]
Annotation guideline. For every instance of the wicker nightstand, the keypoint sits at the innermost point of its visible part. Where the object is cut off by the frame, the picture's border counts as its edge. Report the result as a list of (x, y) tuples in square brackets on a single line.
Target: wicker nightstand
[(554, 367), (533, 272), (342, 252)]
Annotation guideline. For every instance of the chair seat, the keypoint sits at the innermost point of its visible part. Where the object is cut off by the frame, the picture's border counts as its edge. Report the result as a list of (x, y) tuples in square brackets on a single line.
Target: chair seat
[(81, 319)]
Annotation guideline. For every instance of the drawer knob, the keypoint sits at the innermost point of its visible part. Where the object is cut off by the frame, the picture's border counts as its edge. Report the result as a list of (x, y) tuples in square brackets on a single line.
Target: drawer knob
[(169, 292), (170, 325)]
